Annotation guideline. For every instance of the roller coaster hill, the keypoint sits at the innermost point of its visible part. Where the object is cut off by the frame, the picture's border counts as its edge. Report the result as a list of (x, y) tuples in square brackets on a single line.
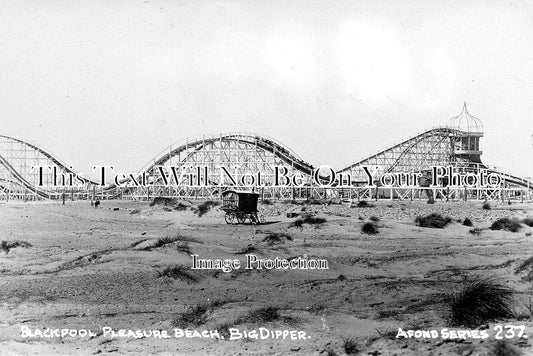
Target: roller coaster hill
[(455, 145)]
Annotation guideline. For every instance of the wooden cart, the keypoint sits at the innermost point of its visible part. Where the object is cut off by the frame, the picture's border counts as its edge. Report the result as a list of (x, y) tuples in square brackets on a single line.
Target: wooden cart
[(240, 206)]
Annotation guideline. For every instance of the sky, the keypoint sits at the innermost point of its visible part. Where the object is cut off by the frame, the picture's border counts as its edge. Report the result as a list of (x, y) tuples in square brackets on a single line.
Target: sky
[(115, 82)]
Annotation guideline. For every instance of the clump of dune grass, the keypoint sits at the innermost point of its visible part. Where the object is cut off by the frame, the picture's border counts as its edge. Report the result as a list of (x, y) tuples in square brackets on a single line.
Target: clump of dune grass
[(203, 208), (163, 201), (475, 231), (265, 314), (330, 352), (486, 206), (161, 242), (137, 242), (180, 207), (268, 314), (309, 219), (480, 300), (387, 333), (223, 328), (246, 250), (180, 273), (374, 218), (183, 247), (135, 211), (364, 204), (277, 238), (256, 316), (503, 348), (524, 265), (528, 221), (8, 245), (196, 315), (434, 220), (389, 313), (467, 222), (168, 240), (506, 224), (351, 346), (182, 238), (369, 228)]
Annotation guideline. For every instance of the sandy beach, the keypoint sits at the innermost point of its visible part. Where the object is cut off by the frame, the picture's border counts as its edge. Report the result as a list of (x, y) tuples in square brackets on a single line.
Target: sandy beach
[(127, 265)]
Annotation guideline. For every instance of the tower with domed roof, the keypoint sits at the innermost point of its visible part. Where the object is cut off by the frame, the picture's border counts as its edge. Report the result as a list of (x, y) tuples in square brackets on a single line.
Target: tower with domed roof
[(466, 141)]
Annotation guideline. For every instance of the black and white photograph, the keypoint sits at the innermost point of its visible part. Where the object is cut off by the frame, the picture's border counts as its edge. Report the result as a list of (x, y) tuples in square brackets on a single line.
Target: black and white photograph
[(256, 177)]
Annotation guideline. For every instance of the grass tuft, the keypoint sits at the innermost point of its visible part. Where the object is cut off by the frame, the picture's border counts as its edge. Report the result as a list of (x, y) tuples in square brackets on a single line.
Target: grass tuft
[(330, 352), (163, 241), (524, 265), (311, 220), (180, 273), (267, 315), (467, 222), (196, 315), (160, 242), (8, 245), (246, 250), (203, 208), (162, 201), (183, 247), (180, 207), (475, 231), (486, 206), (364, 204), (369, 228), (167, 240), (389, 334), (434, 220), (528, 222), (277, 238), (137, 243), (480, 301), (506, 224), (351, 346)]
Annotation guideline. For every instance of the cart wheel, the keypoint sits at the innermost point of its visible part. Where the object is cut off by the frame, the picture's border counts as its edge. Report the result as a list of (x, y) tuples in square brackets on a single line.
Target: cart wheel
[(230, 218), (241, 218)]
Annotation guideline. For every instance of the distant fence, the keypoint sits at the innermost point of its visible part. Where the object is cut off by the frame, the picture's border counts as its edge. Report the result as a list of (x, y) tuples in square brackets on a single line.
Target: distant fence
[(305, 193)]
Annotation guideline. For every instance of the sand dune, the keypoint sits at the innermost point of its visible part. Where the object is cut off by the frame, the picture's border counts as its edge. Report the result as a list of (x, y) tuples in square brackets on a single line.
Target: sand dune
[(86, 268)]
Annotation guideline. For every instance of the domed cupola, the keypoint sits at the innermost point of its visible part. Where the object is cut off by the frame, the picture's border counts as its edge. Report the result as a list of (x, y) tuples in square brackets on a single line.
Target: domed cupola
[(466, 123), (466, 142)]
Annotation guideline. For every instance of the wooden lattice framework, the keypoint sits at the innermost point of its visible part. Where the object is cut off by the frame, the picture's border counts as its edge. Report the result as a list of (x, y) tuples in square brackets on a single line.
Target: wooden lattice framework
[(253, 153)]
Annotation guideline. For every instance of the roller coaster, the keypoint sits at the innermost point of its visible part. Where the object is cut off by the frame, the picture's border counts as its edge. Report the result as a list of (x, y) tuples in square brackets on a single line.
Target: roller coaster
[(21, 175), (455, 144)]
